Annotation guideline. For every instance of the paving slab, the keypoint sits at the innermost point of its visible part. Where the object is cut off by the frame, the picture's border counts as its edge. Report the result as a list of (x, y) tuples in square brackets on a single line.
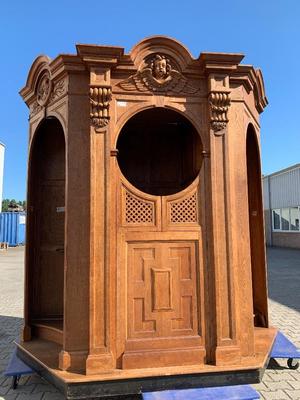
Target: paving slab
[(284, 306)]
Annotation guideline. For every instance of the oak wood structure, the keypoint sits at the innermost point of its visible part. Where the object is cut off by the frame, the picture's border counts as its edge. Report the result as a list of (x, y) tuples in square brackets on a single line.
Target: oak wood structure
[(145, 245)]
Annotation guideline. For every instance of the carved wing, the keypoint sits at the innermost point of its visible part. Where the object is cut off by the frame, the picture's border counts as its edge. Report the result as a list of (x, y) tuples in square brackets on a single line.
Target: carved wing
[(133, 83), (180, 84)]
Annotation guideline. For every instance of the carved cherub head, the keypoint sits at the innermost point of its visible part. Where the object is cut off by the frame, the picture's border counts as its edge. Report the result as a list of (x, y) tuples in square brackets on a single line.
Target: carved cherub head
[(160, 67)]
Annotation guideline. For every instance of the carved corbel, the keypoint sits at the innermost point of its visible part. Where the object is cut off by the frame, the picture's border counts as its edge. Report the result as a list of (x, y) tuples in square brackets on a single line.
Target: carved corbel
[(219, 102), (100, 97)]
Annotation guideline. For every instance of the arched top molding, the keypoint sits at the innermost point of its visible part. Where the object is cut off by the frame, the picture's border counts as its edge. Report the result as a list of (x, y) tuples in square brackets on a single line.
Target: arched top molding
[(40, 64), (252, 131), (259, 91), (138, 109), (39, 126), (164, 45)]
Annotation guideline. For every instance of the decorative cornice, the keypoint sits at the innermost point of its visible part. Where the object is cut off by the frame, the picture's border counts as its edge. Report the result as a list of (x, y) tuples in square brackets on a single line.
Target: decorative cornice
[(219, 104), (100, 96), (220, 62), (99, 55)]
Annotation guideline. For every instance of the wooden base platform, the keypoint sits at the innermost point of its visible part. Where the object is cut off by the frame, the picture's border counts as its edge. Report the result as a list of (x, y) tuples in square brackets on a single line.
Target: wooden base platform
[(42, 356)]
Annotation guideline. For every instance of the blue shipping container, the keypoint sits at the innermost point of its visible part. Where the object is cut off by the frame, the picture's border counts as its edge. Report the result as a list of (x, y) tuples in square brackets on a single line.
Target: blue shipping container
[(12, 228)]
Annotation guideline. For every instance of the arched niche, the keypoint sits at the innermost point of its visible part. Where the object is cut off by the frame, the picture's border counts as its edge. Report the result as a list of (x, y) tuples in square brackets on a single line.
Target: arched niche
[(46, 228), (159, 151), (256, 225)]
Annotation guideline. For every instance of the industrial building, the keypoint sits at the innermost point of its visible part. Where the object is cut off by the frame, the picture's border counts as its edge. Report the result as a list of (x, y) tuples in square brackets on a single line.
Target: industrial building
[(2, 150), (281, 191)]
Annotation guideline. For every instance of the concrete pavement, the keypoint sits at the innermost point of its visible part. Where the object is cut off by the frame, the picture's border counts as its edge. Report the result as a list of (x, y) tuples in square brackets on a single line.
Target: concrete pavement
[(279, 383)]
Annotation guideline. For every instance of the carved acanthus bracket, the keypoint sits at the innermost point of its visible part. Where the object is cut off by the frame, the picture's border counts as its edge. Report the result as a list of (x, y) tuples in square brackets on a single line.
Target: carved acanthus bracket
[(100, 97), (160, 76), (219, 103)]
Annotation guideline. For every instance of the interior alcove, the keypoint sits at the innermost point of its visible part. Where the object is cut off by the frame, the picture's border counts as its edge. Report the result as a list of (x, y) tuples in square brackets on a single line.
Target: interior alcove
[(159, 151), (256, 225), (46, 225)]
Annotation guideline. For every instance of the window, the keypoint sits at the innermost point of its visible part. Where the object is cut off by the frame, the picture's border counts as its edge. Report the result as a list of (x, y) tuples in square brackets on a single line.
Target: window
[(276, 219), (286, 219), (295, 218)]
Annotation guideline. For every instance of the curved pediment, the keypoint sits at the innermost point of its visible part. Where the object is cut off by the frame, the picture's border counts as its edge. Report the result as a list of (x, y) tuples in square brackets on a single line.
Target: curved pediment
[(163, 45), (259, 91), (39, 66)]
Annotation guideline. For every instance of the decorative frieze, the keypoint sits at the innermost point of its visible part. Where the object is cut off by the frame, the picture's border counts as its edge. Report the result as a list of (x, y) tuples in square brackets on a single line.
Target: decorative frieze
[(219, 104), (159, 76), (100, 97)]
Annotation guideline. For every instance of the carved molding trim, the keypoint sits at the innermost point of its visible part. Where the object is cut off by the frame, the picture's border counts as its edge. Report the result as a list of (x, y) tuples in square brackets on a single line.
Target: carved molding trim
[(100, 97), (159, 76), (219, 105)]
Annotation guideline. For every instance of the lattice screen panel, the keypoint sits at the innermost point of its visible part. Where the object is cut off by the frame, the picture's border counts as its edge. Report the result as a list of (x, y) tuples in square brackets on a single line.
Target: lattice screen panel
[(184, 211), (138, 211)]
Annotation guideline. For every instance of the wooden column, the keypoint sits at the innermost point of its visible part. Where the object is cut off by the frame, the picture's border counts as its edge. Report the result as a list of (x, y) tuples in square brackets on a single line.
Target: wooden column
[(77, 228), (227, 350), (100, 356)]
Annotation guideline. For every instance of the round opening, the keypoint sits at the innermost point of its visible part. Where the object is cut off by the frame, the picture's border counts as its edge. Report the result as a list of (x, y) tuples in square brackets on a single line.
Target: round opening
[(159, 151)]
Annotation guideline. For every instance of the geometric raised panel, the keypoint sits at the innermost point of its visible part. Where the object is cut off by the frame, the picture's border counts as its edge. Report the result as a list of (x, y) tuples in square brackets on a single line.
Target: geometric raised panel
[(162, 290)]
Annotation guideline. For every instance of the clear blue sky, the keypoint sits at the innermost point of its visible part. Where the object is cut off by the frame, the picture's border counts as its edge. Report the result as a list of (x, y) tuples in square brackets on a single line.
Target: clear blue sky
[(266, 31)]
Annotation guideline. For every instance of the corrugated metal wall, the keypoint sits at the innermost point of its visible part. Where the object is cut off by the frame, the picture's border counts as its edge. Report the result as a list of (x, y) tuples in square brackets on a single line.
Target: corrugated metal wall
[(12, 228), (2, 150), (266, 193), (284, 188)]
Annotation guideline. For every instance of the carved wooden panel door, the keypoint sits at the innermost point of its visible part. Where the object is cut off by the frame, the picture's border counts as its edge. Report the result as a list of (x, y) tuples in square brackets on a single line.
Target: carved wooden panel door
[(160, 262), (160, 268)]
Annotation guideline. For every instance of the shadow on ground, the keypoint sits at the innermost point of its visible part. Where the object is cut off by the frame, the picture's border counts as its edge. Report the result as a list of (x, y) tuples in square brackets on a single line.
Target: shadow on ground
[(10, 328), (284, 276)]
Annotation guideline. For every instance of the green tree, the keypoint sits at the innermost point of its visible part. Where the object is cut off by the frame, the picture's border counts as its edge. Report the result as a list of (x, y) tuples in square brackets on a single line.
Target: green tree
[(6, 203)]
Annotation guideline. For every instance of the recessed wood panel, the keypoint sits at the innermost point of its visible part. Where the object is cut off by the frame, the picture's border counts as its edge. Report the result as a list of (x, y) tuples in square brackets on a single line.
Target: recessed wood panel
[(162, 292)]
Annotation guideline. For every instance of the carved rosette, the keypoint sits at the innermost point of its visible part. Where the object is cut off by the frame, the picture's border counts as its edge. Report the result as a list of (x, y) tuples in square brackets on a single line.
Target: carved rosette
[(44, 89), (219, 105), (100, 97)]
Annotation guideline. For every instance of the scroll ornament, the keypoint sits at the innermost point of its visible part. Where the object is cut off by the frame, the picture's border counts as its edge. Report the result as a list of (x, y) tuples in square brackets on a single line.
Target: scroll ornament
[(100, 96), (158, 76), (219, 104), (59, 89)]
